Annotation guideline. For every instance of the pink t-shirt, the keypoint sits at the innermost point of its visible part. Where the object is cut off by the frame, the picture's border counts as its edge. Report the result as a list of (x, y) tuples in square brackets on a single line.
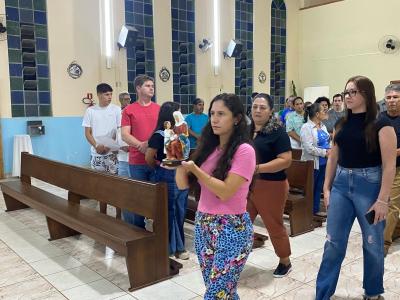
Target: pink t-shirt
[(243, 164), (143, 120)]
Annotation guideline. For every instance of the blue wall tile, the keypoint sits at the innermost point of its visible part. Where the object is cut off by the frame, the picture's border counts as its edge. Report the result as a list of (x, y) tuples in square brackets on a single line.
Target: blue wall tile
[(14, 42), (17, 97), (15, 70), (44, 97), (12, 13), (40, 17), (41, 44), (43, 71)]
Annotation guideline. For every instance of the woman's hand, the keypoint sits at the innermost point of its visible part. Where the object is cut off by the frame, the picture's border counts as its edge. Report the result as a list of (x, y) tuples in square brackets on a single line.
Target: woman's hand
[(381, 209), (189, 166), (327, 195)]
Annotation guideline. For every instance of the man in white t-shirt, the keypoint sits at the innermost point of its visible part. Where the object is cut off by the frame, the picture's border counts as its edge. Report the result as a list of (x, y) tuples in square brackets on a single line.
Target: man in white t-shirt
[(101, 123), (123, 153)]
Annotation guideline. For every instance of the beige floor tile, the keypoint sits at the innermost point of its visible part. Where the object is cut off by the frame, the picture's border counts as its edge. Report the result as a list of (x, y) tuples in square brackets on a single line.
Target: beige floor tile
[(392, 282), (192, 281), (303, 271), (165, 290), (305, 292), (392, 263), (265, 283), (14, 270), (109, 267), (263, 258), (72, 278), (37, 288), (55, 265), (97, 290), (33, 254)]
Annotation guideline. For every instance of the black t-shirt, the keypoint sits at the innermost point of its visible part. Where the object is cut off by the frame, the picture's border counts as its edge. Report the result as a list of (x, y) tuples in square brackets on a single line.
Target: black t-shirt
[(353, 152), (268, 146), (395, 121), (156, 141)]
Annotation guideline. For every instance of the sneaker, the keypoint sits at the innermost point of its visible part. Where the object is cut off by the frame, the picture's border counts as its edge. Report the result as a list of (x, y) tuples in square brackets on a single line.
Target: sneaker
[(379, 297), (282, 270), (182, 255)]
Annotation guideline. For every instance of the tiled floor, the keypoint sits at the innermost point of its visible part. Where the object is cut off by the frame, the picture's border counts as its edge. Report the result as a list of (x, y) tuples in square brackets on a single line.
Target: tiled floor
[(31, 267)]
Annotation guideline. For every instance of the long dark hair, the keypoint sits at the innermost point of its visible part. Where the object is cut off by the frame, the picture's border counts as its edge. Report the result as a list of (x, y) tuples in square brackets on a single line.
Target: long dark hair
[(209, 141), (166, 114), (366, 88)]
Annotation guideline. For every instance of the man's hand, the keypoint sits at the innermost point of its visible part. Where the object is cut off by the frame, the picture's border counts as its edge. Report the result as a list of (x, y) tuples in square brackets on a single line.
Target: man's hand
[(101, 149), (142, 147), (125, 148)]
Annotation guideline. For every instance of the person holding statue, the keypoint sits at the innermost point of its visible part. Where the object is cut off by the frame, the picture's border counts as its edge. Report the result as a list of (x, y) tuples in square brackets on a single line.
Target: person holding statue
[(177, 199)]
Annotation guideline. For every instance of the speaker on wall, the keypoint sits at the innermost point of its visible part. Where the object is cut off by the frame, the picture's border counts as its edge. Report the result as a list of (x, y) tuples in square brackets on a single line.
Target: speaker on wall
[(127, 36), (234, 48)]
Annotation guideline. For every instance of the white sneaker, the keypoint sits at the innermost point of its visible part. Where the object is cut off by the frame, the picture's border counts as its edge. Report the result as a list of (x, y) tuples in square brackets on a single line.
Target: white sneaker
[(182, 255)]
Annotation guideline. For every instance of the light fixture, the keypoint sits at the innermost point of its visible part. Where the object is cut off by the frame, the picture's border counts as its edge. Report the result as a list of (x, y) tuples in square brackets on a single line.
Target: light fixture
[(216, 25), (205, 44), (108, 27)]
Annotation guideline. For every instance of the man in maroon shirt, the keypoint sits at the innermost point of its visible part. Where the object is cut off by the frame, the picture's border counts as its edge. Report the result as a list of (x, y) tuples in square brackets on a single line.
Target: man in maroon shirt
[(138, 122)]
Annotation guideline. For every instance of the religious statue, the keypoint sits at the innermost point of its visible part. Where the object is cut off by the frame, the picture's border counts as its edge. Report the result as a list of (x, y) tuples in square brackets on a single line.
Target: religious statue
[(177, 145)]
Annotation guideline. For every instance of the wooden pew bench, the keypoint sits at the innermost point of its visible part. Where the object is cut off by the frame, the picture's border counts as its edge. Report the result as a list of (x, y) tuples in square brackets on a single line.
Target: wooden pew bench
[(299, 205), (146, 252)]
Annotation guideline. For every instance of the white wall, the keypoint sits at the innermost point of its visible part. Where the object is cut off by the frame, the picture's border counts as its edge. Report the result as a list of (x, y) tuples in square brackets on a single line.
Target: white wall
[(340, 40)]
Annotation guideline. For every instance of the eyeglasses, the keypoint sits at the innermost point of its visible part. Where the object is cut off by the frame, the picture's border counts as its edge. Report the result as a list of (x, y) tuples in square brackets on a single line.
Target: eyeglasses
[(350, 93)]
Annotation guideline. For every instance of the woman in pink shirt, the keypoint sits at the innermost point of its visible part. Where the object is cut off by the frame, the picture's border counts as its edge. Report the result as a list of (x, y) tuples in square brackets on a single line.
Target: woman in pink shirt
[(223, 164)]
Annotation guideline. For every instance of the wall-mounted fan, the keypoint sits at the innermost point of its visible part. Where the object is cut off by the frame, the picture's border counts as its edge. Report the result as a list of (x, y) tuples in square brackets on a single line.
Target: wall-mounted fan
[(3, 29), (389, 44)]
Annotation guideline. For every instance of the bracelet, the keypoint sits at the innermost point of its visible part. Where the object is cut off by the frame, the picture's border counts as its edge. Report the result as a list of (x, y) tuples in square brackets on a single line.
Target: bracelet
[(257, 167), (381, 201)]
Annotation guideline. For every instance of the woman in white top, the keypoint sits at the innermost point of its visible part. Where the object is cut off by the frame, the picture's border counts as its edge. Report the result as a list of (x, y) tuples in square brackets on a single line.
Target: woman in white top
[(315, 143)]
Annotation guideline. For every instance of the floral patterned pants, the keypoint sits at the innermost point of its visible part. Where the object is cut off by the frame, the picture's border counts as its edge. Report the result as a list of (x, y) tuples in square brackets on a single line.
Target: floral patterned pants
[(223, 243)]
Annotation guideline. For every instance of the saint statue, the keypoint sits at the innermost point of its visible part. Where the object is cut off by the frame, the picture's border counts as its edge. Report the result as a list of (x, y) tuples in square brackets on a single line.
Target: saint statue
[(177, 147)]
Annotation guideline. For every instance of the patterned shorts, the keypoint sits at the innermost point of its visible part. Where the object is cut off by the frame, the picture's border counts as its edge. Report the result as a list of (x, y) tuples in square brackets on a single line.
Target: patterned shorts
[(105, 163)]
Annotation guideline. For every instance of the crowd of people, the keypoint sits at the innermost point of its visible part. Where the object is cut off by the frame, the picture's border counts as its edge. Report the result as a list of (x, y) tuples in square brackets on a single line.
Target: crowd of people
[(240, 168)]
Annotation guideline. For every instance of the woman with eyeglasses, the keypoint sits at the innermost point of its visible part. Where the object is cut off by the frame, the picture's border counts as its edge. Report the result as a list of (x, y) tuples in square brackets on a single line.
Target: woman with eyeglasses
[(359, 174), (271, 189), (315, 142)]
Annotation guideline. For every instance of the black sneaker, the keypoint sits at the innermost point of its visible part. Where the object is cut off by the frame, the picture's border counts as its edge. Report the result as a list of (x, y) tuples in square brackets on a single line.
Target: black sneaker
[(379, 297), (282, 270)]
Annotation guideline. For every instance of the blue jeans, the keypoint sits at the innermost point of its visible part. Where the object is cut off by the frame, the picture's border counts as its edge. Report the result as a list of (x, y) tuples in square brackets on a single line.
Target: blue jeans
[(144, 173), (353, 192), (319, 178), (123, 168), (177, 203)]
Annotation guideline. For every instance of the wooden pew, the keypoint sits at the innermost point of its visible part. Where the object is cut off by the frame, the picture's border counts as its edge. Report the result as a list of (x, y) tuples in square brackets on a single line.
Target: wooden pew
[(296, 154), (146, 252), (299, 205)]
